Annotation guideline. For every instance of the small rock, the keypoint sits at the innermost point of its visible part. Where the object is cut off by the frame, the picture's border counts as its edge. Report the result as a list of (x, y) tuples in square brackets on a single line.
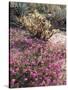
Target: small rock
[(58, 40)]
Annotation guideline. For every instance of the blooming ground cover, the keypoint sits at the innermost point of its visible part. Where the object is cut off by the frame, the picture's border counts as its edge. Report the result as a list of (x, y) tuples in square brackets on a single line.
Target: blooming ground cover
[(34, 62)]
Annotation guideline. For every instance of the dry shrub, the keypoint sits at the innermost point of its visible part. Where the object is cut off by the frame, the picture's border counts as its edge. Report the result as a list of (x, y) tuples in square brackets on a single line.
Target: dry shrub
[(37, 25)]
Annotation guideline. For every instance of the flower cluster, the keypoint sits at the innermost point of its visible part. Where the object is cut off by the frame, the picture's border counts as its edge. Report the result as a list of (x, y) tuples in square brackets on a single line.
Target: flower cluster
[(34, 62)]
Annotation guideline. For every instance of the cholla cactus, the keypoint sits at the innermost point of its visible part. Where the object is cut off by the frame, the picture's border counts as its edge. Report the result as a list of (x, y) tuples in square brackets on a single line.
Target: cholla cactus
[(37, 25)]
